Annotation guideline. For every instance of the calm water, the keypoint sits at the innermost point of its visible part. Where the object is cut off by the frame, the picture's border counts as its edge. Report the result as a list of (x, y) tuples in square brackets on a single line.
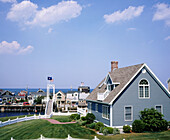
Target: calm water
[(17, 90), (8, 114)]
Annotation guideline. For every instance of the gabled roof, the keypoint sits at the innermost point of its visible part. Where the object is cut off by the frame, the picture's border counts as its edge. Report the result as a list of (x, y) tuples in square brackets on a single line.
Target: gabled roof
[(61, 92), (123, 76)]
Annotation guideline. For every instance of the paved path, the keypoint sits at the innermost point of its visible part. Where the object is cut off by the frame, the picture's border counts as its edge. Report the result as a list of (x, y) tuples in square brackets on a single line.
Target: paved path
[(57, 122)]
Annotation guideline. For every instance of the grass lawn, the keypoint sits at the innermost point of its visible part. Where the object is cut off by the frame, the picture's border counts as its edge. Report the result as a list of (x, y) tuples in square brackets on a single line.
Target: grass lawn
[(139, 136), (61, 118), (34, 128), (12, 117)]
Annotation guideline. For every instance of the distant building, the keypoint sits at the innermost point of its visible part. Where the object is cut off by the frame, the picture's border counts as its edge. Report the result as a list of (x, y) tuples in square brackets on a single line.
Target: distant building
[(72, 98), (22, 93), (34, 95), (85, 89), (60, 98), (7, 96)]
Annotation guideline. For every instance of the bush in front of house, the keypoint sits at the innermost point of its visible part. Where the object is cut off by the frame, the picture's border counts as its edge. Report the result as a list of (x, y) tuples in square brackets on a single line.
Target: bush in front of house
[(110, 130), (83, 118), (126, 128), (169, 124), (153, 120), (84, 123), (98, 125), (101, 130), (116, 131), (105, 132), (74, 117), (92, 125), (87, 125), (90, 117), (138, 126)]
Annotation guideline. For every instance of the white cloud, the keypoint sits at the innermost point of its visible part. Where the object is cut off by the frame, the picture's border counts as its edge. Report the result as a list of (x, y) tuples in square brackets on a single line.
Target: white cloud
[(27, 13), (50, 30), (167, 38), (14, 48), (162, 13), (22, 12), (131, 29), (10, 1), (129, 13)]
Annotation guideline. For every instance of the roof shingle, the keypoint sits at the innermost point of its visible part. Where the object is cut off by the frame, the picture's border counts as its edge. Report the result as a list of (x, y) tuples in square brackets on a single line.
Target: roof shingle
[(120, 75)]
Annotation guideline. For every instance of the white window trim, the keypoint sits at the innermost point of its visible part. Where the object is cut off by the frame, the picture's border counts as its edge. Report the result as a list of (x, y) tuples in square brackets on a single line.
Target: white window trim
[(131, 113), (144, 89), (107, 110), (161, 108), (90, 107), (96, 107)]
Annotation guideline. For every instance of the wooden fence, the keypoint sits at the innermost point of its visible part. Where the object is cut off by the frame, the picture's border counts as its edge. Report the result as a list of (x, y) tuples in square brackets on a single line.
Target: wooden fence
[(23, 119)]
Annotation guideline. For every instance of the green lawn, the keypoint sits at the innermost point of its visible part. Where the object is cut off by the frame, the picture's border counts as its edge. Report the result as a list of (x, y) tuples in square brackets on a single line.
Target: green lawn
[(139, 136), (12, 117), (34, 128), (61, 118)]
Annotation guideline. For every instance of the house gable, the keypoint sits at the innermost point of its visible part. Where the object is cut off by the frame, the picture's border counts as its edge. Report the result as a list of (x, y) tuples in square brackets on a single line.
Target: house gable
[(143, 70), (130, 97)]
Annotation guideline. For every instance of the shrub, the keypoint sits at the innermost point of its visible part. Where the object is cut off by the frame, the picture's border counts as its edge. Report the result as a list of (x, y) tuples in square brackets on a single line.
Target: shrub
[(83, 118), (138, 126), (110, 130), (153, 120), (90, 118), (101, 130), (78, 117), (75, 117), (87, 125), (98, 125), (126, 128), (116, 131), (169, 124), (84, 123), (105, 132), (92, 125)]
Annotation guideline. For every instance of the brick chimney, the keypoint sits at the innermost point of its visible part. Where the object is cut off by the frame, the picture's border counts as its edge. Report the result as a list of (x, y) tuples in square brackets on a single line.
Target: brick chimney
[(168, 84), (114, 65)]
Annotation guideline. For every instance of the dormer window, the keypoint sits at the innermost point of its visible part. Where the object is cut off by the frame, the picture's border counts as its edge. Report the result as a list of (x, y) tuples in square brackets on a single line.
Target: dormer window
[(144, 89)]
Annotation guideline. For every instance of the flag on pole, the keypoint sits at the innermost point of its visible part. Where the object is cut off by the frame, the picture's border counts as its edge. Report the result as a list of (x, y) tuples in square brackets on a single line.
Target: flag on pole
[(50, 79)]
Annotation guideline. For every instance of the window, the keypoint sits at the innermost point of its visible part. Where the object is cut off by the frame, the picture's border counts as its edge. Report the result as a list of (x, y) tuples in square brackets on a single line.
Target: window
[(128, 113), (96, 107), (90, 108), (159, 108), (105, 112), (144, 89)]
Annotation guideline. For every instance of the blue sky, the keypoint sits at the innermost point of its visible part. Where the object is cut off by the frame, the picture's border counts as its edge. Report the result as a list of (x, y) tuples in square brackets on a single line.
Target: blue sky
[(75, 41)]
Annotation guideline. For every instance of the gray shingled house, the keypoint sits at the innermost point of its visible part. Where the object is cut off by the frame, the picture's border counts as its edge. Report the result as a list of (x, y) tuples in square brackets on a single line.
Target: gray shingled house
[(124, 92)]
